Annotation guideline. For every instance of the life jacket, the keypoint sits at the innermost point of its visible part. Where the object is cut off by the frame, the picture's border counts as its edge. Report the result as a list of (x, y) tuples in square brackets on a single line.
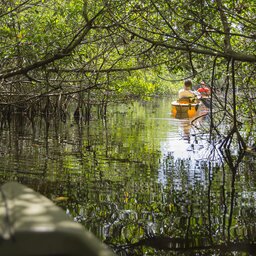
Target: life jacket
[(204, 90)]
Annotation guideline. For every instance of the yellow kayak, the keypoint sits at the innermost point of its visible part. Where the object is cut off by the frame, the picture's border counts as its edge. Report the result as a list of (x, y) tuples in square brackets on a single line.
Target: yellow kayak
[(184, 109)]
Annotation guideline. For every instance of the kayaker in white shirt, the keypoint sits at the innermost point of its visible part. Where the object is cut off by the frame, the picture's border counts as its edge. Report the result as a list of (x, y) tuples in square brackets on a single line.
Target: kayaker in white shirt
[(187, 93)]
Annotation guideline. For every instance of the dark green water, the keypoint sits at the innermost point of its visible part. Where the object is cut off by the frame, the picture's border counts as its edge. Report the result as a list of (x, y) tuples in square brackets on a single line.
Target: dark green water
[(142, 181)]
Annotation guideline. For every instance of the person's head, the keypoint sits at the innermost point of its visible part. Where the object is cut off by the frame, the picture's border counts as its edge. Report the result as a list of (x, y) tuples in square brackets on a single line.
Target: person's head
[(188, 84), (203, 84)]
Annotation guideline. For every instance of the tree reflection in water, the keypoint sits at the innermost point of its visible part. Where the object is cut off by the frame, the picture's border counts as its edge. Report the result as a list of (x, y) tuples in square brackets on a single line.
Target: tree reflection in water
[(142, 181)]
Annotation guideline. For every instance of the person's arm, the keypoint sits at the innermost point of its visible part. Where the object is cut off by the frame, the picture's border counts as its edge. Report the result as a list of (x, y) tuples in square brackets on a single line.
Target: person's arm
[(197, 94)]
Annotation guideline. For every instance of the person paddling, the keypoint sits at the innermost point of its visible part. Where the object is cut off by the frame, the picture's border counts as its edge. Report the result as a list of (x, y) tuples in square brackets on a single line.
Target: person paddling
[(204, 90), (186, 94)]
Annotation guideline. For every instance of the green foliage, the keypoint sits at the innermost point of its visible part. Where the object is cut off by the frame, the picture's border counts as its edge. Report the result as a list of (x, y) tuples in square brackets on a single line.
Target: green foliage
[(122, 49), (145, 85)]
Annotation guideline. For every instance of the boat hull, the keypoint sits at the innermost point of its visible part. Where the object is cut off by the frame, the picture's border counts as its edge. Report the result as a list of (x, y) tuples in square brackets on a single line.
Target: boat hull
[(32, 225), (184, 110)]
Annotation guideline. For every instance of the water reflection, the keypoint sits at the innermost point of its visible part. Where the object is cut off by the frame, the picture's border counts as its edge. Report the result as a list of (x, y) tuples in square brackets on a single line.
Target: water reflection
[(141, 180), (188, 149)]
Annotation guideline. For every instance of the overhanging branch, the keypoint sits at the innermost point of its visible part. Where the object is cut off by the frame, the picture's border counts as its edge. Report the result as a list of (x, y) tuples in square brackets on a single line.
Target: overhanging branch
[(194, 49), (60, 55)]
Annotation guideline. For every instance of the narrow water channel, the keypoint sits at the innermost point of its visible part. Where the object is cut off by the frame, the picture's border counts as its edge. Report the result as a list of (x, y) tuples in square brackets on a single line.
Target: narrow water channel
[(142, 181)]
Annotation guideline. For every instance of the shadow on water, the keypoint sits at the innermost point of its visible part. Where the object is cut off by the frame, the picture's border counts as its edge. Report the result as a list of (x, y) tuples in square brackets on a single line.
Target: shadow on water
[(142, 181)]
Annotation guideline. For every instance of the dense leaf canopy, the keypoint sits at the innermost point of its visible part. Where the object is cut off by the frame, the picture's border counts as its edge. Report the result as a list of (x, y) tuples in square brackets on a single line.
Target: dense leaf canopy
[(123, 34)]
